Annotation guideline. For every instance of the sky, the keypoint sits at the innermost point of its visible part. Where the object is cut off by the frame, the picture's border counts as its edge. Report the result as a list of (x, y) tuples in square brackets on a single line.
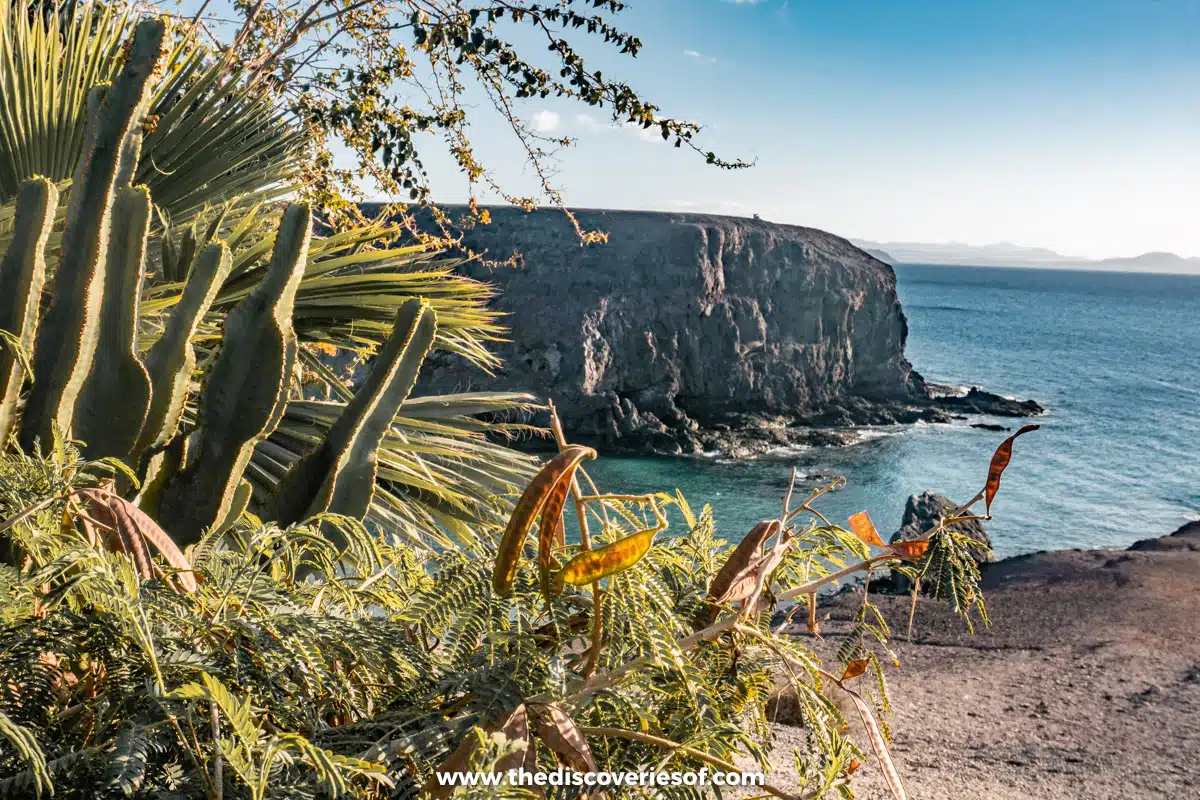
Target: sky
[(1064, 124)]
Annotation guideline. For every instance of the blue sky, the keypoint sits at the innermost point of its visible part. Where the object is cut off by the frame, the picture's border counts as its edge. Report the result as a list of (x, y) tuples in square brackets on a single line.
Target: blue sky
[(1061, 123)]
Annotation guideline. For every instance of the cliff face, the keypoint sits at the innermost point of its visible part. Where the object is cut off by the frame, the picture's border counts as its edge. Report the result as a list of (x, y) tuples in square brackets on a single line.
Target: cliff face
[(686, 318)]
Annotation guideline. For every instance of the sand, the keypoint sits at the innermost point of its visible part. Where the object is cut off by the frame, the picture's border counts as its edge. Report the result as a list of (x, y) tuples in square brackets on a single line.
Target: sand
[(1086, 684)]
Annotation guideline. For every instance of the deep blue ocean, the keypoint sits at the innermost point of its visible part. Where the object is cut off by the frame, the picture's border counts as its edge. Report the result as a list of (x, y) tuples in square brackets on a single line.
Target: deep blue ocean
[(1115, 357)]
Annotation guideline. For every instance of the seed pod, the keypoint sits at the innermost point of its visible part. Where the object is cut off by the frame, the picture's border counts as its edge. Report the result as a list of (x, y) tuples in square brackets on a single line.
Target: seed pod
[(592, 565), (560, 468), (741, 560), (549, 532), (1000, 460)]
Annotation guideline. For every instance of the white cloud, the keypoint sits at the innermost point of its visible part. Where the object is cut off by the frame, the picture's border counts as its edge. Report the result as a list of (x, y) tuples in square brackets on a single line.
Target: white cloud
[(651, 134), (588, 122), (545, 121), (698, 55)]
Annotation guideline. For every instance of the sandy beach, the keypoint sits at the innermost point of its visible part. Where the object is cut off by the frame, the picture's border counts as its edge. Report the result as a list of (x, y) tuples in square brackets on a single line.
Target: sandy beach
[(1086, 684)]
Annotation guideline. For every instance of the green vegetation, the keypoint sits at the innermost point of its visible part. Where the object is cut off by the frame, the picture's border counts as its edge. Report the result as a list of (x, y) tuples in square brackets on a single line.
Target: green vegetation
[(365, 678), (227, 574), (187, 337)]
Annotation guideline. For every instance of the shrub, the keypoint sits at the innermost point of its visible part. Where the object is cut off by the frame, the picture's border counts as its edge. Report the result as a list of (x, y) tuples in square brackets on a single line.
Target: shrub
[(382, 666)]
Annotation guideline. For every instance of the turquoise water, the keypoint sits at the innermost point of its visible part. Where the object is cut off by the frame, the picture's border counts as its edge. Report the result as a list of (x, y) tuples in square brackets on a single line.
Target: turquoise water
[(1114, 357)]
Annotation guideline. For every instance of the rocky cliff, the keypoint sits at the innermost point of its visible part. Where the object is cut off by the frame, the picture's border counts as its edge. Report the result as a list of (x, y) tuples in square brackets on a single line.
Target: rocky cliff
[(685, 323)]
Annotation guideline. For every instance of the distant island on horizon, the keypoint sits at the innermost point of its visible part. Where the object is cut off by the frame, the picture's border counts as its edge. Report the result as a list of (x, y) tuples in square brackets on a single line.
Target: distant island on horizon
[(1010, 255)]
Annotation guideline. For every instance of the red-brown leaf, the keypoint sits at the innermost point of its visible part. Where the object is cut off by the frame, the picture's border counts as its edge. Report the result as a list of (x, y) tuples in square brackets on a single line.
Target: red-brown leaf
[(1000, 460), (910, 551), (855, 668), (864, 529)]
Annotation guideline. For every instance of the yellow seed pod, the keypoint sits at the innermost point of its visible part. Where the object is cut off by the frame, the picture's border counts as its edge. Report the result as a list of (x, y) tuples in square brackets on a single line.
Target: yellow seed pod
[(592, 565)]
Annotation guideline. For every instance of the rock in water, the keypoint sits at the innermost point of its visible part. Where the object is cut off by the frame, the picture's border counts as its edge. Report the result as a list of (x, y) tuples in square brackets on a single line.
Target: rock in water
[(922, 513), (682, 319)]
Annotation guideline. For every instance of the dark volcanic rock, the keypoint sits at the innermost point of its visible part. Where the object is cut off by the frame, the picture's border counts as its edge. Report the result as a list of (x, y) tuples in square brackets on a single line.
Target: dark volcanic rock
[(977, 401), (985, 426), (1186, 538), (691, 332), (922, 513), (688, 317)]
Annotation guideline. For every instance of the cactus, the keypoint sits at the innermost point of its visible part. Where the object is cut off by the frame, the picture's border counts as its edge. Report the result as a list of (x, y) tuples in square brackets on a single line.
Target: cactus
[(339, 476), (172, 359), (131, 151), (115, 396), (66, 340), (22, 274), (246, 387)]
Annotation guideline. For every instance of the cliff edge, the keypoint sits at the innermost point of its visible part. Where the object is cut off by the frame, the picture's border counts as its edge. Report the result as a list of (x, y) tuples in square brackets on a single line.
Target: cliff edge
[(686, 326)]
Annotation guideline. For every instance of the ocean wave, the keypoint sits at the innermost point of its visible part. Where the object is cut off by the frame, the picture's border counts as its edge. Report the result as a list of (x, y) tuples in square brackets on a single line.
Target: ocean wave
[(961, 309)]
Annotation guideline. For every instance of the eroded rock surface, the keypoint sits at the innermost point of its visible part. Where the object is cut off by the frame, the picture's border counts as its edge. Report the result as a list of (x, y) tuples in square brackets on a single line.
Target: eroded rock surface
[(691, 332)]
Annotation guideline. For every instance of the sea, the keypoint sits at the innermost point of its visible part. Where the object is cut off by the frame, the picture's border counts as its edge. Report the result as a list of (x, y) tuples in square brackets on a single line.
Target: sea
[(1114, 357)]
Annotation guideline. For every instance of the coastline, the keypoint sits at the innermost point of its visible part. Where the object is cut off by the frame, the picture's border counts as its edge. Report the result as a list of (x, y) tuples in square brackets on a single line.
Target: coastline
[(1085, 684)]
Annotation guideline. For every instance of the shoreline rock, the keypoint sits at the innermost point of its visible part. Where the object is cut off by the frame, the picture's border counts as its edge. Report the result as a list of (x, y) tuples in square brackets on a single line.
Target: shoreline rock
[(693, 333)]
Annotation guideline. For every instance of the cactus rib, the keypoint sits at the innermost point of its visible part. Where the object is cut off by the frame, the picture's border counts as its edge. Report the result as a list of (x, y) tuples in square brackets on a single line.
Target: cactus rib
[(339, 476), (172, 359), (67, 338), (116, 393), (247, 384), (22, 275)]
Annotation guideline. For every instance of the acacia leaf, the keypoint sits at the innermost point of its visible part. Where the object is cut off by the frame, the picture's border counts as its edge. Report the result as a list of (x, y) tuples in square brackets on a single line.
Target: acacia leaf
[(864, 529)]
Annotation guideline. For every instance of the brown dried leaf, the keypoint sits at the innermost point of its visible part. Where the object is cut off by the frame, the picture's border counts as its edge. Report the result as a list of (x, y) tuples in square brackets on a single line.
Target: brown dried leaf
[(533, 500), (738, 567), (516, 727), (132, 530), (1000, 460), (864, 529), (558, 731), (855, 668)]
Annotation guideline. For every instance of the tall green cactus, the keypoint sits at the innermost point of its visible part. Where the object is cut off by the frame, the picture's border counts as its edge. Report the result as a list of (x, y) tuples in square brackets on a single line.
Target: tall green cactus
[(246, 389), (66, 341), (172, 359), (339, 476), (115, 396), (22, 275)]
